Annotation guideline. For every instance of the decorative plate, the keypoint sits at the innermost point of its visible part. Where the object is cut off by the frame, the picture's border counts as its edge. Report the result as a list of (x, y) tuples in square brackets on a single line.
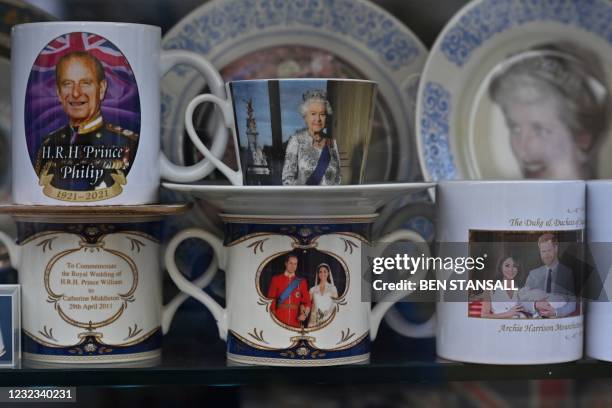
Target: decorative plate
[(519, 89), (249, 39)]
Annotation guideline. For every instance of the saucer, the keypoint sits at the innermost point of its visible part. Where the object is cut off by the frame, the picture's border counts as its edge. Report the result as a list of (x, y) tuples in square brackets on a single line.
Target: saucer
[(306, 200), (101, 213)]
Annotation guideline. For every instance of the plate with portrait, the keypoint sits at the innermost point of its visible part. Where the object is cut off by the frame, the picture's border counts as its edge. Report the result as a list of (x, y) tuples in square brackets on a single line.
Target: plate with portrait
[(516, 89)]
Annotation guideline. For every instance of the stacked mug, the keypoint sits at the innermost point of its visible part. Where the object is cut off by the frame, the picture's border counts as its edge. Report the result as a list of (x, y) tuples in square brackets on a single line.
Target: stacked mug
[(86, 164), (548, 241), (294, 273)]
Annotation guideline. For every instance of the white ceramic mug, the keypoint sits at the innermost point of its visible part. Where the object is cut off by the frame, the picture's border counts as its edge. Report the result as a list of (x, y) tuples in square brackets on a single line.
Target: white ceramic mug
[(278, 312), (86, 113), (92, 292), (599, 237), (529, 234)]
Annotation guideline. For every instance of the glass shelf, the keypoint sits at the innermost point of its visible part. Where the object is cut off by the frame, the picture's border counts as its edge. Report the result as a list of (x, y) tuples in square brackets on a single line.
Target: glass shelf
[(193, 355)]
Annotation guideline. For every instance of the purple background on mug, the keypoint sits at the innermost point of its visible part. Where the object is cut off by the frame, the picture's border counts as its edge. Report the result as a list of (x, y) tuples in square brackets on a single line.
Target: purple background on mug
[(43, 110)]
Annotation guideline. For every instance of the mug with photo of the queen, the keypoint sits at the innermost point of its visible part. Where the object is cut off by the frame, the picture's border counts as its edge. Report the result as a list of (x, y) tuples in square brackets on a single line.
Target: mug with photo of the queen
[(294, 131), (86, 113)]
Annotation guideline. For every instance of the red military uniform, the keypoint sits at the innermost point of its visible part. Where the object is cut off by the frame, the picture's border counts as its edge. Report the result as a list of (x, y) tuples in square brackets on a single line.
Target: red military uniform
[(289, 310)]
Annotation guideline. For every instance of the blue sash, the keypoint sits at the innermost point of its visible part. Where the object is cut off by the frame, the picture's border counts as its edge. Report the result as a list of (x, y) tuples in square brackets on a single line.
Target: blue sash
[(317, 175), (287, 292)]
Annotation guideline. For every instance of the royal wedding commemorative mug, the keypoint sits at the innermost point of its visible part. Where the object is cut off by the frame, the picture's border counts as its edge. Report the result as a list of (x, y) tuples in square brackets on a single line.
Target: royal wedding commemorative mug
[(92, 286), (599, 237), (527, 239), (294, 131), (294, 288), (86, 113)]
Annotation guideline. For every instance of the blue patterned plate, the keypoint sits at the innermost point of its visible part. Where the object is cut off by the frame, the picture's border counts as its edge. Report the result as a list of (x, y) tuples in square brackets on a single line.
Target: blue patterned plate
[(519, 89), (250, 39)]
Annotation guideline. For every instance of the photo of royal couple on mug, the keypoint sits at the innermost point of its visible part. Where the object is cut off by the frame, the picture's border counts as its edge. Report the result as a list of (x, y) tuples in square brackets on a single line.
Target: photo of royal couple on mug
[(303, 296), (545, 289), (303, 132)]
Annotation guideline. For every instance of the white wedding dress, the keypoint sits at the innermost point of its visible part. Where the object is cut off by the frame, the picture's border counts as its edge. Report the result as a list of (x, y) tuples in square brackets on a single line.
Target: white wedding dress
[(322, 304)]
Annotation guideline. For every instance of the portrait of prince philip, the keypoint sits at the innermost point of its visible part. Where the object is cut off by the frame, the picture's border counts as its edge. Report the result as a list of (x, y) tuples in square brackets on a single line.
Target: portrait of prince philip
[(88, 153)]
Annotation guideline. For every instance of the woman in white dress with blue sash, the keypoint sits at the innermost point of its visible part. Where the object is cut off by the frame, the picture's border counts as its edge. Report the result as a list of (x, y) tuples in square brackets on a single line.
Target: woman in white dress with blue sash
[(311, 156)]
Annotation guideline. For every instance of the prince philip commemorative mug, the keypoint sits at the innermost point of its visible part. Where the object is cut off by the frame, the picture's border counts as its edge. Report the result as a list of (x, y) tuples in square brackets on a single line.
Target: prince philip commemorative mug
[(86, 113), (294, 288)]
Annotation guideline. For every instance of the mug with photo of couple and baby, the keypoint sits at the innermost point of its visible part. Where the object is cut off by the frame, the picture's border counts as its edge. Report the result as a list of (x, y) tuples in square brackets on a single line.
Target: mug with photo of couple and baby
[(530, 234), (294, 132), (86, 113), (294, 288)]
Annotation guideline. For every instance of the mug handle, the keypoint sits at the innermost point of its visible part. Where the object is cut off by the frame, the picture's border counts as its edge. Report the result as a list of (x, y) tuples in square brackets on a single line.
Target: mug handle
[(186, 174), (14, 250), (395, 217), (218, 312), (235, 177), (171, 307), (378, 311)]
